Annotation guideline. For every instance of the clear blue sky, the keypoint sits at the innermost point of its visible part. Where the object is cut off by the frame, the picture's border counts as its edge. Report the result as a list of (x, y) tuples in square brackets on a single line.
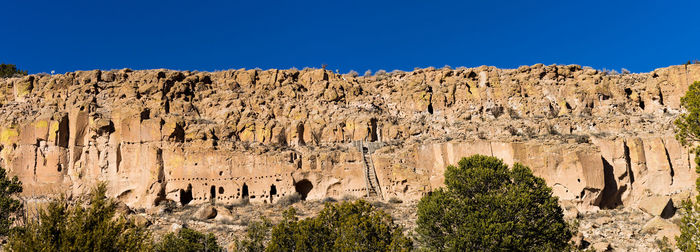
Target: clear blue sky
[(41, 36)]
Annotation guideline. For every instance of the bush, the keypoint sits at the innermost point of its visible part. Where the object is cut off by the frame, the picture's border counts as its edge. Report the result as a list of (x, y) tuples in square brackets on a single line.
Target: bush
[(9, 70), (187, 240), (688, 124), (343, 226), (395, 200), (10, 207), (486, 206), (689, 225), (688, 134), (94, 227), (256, 236), (289, 199)]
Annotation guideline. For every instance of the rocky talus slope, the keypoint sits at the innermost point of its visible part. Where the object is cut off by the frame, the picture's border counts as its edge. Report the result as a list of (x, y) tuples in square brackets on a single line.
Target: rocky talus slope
[(600, 140)]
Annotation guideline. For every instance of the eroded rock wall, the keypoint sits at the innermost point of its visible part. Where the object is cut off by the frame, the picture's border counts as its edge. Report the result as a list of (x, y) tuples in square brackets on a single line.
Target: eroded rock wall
[(599, 140)]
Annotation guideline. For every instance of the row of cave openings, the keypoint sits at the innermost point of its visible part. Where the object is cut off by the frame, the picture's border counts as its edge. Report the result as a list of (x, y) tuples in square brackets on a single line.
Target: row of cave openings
[(302, 187)]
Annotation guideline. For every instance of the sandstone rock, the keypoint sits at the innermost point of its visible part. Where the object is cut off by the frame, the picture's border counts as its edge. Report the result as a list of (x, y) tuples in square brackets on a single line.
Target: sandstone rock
[(601, 246), (206, 212), (661, 228), (174, 228), (603, 220), (224, 215), (657, 224), (658, 206), (578, 240), (570, 210), (123, 209), (140, 220), (258, 136)]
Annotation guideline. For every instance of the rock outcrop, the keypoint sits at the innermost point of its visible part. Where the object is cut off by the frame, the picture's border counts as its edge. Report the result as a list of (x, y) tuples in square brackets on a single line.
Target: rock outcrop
[(599, 140)]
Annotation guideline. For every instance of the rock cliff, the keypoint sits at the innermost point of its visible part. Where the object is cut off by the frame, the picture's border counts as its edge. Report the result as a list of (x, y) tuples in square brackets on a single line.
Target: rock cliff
[(600, 140)]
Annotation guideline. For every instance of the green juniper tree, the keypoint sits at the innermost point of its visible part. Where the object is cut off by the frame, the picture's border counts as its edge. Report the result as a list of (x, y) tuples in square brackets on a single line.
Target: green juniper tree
[(10, 207), (82, 226), (356, 226), (688, 134), (485, 206), (9, 70), (187, 240)]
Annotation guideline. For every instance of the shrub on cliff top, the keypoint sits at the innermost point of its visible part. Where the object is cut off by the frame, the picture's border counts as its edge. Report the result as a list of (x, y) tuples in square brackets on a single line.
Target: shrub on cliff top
[(688, 134), (94, 227), (9, 70), (9, 206), (485, 206)]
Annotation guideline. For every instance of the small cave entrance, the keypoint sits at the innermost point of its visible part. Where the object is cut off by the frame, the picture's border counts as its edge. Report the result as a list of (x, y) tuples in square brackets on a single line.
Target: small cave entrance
[(212, 192), (186, 195), (244, 191), (300, 134), (303, 187), (273, 192), (373, 130)]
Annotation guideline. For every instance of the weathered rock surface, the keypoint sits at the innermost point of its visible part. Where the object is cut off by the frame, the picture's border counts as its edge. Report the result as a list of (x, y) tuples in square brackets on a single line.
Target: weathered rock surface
[(599, 140)]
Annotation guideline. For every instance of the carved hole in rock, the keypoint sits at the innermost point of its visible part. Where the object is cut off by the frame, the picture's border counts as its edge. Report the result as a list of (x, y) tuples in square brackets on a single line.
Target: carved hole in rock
[(373, 129), (186, 195), (300, 133), (221, 173), (273, 192), (212, 192), (244, 191), (611, 194), (60, 167), (221, 190), (303, 187)]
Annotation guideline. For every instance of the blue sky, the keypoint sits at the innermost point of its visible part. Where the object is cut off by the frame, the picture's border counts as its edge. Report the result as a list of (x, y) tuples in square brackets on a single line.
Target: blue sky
[(41, 36)]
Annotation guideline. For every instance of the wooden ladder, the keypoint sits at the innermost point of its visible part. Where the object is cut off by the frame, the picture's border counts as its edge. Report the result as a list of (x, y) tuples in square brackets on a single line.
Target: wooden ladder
[(373, 188)]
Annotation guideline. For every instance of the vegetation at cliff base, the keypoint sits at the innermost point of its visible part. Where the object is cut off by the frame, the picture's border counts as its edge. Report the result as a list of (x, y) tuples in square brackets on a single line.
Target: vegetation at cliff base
[(346, 226), (688, 134), (83, 226), (187, 240), (10, 207), (485, 206), (9, 70)]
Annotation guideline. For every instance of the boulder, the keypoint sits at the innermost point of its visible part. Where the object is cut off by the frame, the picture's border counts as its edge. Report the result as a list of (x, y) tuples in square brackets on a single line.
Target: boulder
[(140, 220), (174, 228), (601, 246), (661, 228), (656, 224), (658, 206), (206, 212), (224, 215)]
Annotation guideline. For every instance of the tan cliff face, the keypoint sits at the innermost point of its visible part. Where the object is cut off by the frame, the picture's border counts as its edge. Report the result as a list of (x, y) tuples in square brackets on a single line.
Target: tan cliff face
[(599, 140)]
